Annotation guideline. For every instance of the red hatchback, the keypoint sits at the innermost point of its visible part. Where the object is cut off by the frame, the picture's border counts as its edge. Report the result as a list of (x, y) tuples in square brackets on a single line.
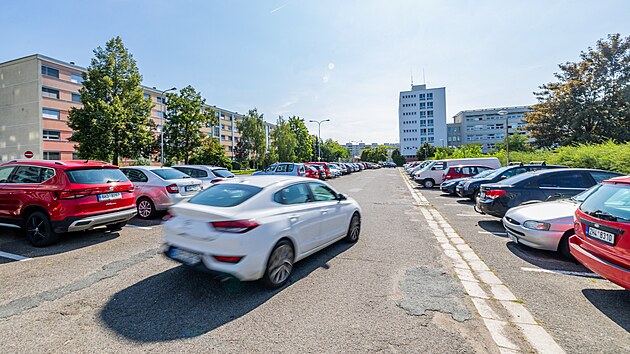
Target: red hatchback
[(602, 231), (46, 198), (462, 171), (324, 165)]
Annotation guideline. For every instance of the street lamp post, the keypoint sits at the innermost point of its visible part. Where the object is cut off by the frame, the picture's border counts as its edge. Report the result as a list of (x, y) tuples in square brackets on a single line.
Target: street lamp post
[(162, 128), (319, 136), (507, 137)]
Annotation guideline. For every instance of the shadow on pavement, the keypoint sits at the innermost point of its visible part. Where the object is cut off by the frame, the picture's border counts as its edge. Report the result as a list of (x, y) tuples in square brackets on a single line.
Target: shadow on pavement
[(183, 303), (615, 304), (493, 226), (465, 201), (545, 259)]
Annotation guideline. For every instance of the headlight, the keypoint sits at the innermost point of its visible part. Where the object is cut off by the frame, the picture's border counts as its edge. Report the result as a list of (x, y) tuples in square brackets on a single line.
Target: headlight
[(536, 225)]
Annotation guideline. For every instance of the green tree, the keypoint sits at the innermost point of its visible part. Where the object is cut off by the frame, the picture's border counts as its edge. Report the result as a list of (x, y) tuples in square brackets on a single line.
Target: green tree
[(185, 116), (375, 154), (284, 142), (425, 152), (589, 102), (114, 121), (304, 148), (210, 152), (240, 153), (333, 151), (397, 157), (469, 150), (252, 128), (518, 142)]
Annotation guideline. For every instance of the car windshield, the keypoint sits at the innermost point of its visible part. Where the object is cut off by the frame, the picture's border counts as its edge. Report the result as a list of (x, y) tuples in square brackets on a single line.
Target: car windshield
[(483, 174), (96, 176), (223, 173), (608, 202), (170, 173), (225, 195), (497, 172)]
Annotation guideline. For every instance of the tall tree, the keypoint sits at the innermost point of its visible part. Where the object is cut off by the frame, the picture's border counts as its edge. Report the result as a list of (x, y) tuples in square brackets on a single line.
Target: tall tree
[(303, 150), (397, 157), (284, 141), (185, 115), (210, 152), (425, 152), (240, 153), (333, 151), (374, 154), (252, 128), (590, 102), (114, 121)]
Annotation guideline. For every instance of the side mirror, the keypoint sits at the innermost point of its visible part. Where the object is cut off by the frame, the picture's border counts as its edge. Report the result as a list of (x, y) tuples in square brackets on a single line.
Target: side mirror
[(503, 177), (433, 168), (341, 197)]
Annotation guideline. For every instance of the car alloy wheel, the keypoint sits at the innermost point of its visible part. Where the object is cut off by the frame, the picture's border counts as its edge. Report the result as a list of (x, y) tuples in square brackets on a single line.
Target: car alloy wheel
[(355, 229), (280, 265), (428, 183), (145, 208)]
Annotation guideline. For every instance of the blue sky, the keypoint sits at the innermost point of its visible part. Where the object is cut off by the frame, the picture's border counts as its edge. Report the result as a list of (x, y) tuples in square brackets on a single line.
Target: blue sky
[(318, 59)]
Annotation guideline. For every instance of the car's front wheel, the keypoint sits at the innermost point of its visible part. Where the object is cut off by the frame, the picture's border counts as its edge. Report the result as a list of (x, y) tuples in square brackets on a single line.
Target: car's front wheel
[(279, 265), (39, 231)]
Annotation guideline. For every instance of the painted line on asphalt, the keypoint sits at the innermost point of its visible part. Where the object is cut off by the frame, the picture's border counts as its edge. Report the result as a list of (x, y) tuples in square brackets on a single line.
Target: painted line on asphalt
[(476, 277), (564, 272), (493, 233), (139, 227), (15, 257), (470, 215)]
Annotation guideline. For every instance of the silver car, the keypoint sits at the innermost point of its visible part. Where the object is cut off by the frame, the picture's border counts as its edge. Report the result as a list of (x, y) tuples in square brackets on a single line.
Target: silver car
[(207, 174), (158, 188), (544, 225)]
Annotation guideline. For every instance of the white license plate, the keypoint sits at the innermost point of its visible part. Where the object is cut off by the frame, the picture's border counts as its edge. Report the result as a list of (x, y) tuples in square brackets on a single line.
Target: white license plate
[(191, 188), (605, 236), (109, 196), (184, 256)]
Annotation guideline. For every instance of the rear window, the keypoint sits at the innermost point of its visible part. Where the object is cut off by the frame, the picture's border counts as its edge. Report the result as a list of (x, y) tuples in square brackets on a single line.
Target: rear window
[(170, 173), (96, 176), (609, 202), (225, 195), (223, 173)]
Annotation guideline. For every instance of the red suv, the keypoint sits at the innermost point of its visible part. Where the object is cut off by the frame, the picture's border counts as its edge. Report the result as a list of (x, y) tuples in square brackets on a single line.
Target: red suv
[(462, 171), (602, 231), (46, 198)]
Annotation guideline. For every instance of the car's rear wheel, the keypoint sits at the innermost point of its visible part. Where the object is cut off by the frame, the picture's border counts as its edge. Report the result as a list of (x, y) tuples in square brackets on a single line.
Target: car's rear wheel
[(279, 265), (475, 196), (428, 183), (354, 229), (39, 231), (146, 208)]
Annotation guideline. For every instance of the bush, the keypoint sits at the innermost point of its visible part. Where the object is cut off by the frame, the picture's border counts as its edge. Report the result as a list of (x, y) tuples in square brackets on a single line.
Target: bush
[(236, 165)]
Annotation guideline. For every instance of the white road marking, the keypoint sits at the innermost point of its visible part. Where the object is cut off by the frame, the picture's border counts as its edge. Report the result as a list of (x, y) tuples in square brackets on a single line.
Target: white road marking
[(565, 272), (452, 204), (355, 190), (478, 279), (493, 233), (15, 257), (139, 227), (470, 215)]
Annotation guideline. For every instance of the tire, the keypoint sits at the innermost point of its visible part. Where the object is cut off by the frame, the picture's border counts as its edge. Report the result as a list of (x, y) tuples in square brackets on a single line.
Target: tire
[(475, 196), (354, 229), (146, 208), (39, 231), (279, 265), (428, 183), (116, 227), (563, 246)]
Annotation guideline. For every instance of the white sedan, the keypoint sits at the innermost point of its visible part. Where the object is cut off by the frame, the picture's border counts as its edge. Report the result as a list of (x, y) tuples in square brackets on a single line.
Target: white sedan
[(258, 227)]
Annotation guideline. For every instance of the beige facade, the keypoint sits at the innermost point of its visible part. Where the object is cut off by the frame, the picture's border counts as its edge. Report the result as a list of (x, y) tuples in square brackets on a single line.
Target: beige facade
[(36, 95)]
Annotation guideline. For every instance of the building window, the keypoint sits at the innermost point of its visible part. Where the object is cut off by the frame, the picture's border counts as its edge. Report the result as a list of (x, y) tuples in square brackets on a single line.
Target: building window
[(429, 113), (51, 135), (50, 113), (421, 96), (160, 114), (429, 104), (230, 148), (52, 155), (430, 122), (147, 96), (160, 100), (75, 155), (48, 71), (76, 97), (50, 93), (429, 96), (76, 78)]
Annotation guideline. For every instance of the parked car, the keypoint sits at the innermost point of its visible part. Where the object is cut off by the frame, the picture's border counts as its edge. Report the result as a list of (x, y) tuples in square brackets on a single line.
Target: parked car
[(312, 172), (602, 231), (545, 225), (207, 174), (159, 188), (320, 170), (258, 228), (495, 199), (47, 198), (461, 171), (450, 186), (389, 164), (283, 168), (324, 165), (432, 173), (335, 171), (470, 189)]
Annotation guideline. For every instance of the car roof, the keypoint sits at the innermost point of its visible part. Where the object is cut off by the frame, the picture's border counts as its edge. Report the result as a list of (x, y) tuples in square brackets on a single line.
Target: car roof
[(69, 164), (150, 168), (203, 166), (469, 165), (264, 181), (559, 170), (619, 180)]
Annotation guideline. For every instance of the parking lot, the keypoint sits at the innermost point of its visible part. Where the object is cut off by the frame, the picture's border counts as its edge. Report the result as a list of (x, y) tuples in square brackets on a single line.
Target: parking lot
[(397, 290)]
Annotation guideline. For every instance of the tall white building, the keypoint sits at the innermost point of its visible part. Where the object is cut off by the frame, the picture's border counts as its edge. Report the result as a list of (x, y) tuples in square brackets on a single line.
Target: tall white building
[(421, 118)]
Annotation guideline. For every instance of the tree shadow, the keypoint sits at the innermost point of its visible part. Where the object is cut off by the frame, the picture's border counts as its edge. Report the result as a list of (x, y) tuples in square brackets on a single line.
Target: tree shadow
[(615, 304), (183, 303)]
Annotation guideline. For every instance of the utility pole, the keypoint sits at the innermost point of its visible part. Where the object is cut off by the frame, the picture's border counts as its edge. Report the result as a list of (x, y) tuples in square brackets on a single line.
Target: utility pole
[(162, 128), (319, 136)]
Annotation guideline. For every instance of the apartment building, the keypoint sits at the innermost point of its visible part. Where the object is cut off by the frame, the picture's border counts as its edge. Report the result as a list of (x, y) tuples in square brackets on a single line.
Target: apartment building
[(421, 118), (36, 94), (486, 126)]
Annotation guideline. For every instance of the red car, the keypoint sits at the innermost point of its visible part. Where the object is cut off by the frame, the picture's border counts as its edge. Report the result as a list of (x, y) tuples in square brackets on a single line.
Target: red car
[(46, 198), (324, 165), (462, 171), (602, 231)]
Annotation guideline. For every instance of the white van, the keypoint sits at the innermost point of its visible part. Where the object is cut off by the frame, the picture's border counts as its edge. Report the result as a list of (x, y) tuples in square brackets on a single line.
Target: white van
[(431, 174)]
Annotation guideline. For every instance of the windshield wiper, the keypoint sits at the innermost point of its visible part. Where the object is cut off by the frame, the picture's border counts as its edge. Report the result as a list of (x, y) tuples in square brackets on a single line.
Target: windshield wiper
[(112, 180), (602, 215)]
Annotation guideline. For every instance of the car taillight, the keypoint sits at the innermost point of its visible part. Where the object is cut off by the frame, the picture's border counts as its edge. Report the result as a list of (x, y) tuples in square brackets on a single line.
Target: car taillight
[(495, 193), (235, 226), (227, 259), (218, 179), (172, 188), (72, 194)]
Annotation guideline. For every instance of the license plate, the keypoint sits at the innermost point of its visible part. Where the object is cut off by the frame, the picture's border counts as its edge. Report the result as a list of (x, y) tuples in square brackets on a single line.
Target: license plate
[(109, 196), (602, 235), (191, 188), (184, 256)]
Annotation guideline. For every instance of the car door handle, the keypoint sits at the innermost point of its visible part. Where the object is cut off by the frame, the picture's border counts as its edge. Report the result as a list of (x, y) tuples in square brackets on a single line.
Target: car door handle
[(324, 211), (294, 218)]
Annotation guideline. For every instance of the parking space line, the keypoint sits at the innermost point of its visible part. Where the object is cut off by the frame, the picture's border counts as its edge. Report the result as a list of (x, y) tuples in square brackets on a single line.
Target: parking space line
[(14, 257), (470, 215), (565, 272), (498, 233), (139, 227)]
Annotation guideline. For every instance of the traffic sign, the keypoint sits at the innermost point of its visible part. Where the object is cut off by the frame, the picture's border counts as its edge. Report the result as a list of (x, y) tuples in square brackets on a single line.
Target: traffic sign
[(28, 154)]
